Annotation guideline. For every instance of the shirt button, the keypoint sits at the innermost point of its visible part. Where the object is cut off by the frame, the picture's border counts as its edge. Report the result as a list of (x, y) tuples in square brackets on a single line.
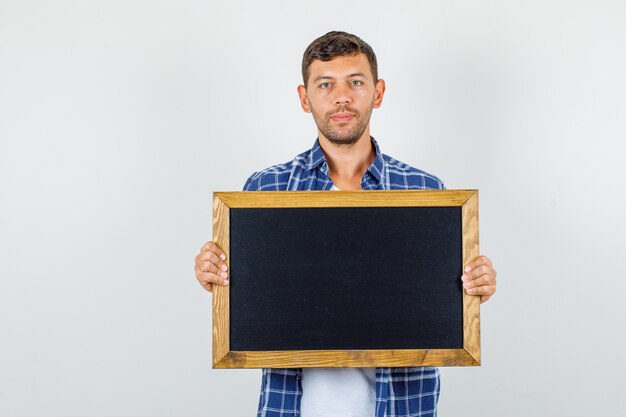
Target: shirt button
[(295, 413)]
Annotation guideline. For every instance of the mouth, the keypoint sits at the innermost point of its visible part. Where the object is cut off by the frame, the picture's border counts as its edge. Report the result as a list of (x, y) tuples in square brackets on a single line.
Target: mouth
[(342, 117)]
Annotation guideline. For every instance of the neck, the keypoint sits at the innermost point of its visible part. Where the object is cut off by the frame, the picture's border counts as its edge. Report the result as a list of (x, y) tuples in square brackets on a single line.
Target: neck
[(348, 163)]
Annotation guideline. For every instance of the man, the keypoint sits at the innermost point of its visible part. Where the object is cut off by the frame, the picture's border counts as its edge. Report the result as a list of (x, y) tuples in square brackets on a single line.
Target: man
[(341, 87)]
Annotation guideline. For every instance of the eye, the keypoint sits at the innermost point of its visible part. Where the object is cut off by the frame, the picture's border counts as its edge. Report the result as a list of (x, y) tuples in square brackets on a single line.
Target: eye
[(325, 85), (356, 83)]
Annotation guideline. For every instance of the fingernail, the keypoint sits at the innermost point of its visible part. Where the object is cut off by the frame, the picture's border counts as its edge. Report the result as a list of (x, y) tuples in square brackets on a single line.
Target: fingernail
[(468, 268), (222, 257), (223, 267), (225, 282), (464, 277), (467, 285), (470, 291), (223, 275)]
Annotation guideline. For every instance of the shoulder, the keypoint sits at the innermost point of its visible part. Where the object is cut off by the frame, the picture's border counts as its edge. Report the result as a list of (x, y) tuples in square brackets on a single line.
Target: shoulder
[(405, 177), (276, 177)]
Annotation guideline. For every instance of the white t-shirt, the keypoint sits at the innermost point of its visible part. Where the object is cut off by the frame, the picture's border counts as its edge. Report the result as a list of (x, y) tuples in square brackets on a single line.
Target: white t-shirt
[(338, 392)]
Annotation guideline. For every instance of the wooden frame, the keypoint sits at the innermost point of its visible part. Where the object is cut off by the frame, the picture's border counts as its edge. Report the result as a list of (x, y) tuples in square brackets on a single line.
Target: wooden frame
[(469, 355)]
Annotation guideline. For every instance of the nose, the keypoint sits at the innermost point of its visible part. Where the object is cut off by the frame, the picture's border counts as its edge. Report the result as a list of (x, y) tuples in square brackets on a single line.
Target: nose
[(342, 94)]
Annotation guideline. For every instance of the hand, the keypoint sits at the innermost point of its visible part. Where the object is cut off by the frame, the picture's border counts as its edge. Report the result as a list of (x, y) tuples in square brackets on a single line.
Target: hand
[(210, 266), (479, 278)]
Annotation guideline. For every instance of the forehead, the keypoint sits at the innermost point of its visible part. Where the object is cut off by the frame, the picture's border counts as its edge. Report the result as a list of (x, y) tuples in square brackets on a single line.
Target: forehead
[(340, 67)]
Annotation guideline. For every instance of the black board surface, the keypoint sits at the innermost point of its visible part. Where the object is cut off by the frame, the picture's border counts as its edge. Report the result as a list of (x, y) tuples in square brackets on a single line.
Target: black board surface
[(345, 278)]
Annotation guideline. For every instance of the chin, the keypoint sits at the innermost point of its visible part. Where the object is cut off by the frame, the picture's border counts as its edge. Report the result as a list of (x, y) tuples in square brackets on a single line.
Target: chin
[(347, 139), (339, 141)]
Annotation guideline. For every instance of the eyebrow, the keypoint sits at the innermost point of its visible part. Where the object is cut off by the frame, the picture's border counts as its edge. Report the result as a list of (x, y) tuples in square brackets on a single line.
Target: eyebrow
[(328, 77)]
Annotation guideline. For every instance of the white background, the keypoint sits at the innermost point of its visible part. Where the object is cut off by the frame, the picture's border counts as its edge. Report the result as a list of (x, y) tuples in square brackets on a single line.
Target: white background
[(118, 119)]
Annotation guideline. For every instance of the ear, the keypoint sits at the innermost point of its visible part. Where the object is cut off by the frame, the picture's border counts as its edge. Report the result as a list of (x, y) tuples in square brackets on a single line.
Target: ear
[(379, 93), (304, 100)]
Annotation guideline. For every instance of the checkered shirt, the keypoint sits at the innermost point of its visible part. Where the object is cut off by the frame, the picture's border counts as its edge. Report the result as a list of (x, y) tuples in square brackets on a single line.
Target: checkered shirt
[(400, 392)]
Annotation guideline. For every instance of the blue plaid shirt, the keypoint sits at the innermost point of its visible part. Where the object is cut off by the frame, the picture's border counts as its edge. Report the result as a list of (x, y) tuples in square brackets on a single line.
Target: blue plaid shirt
[(400, 392)]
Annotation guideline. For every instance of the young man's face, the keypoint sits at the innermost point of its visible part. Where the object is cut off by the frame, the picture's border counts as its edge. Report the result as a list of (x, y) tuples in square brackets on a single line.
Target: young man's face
[(341, 95)]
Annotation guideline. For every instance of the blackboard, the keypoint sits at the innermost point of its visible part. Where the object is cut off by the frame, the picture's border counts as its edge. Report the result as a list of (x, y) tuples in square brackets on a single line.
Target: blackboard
[(369, 278)]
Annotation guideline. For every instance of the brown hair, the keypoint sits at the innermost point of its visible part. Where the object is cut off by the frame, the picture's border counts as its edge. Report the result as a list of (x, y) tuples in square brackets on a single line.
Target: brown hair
[(334, 44)]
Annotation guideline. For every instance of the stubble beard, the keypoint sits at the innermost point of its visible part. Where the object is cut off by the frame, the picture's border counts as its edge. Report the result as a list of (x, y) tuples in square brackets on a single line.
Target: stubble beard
[(340, 135)]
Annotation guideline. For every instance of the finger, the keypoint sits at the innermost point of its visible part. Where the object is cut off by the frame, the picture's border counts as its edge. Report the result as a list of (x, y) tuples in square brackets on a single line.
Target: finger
[(205, 278), (212, 258), (485, 290), (208, 287), (480, 282), (479, 272), (212, 247), (208, 267), (481, 260)]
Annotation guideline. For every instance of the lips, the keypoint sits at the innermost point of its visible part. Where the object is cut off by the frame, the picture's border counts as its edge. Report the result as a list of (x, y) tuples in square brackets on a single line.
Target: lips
[(342, 117)]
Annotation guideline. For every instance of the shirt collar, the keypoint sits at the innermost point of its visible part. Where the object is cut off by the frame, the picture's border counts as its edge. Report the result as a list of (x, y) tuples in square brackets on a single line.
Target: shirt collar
[(377, 167), (316, 158)]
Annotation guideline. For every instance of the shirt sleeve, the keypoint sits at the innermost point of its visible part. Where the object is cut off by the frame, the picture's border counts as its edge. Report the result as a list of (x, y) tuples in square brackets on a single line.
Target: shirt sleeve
[(252, 183)]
